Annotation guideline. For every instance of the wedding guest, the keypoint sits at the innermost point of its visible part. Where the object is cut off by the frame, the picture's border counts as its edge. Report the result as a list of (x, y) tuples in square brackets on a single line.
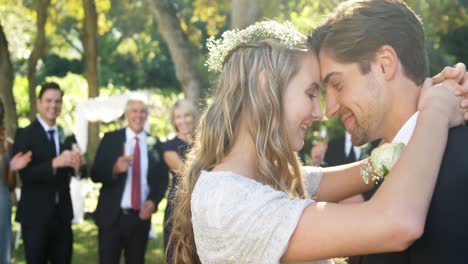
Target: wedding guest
[(183, 117), (342, 151), (45, 209), (18, 162), (134, 179), (244, 197), (317, 154)]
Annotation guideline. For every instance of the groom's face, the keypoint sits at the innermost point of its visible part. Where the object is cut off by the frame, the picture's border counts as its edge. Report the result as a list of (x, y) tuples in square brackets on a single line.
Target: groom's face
[(354, 97)]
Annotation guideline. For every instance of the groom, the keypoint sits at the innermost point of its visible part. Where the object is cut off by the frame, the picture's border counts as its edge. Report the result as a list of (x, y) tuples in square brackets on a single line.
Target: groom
[(373, 64)]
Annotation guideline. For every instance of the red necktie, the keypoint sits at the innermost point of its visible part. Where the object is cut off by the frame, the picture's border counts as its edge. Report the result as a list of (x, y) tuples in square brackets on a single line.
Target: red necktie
[(136, 176)]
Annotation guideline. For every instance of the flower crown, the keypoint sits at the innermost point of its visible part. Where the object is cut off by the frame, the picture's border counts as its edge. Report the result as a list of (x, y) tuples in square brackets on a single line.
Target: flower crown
[(220, 49)]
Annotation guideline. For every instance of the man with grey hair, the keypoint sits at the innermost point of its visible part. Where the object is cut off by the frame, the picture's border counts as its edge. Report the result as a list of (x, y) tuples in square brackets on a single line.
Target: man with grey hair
[(134, 179)]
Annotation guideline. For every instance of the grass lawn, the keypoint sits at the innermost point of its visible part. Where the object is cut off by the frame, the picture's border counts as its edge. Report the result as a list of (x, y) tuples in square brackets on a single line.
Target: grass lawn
[(85, 246)]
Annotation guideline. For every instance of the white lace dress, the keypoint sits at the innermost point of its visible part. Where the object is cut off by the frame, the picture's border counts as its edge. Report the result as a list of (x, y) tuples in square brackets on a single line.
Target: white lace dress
[(239, 220)]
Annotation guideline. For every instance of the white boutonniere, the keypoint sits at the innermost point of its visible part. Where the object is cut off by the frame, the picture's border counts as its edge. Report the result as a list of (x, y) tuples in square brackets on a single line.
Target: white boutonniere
[(151, 143), (381, 162)]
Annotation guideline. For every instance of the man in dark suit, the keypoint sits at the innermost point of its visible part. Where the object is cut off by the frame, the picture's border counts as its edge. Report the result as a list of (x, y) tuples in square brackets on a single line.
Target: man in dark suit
[(45, 209), (373, 63), (342, 151), (133, 184)]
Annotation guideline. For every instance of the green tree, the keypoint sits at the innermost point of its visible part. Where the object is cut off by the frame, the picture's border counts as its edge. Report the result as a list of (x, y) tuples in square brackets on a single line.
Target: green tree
[(180, 49), (37, 52), (90, 41), (6, 85)]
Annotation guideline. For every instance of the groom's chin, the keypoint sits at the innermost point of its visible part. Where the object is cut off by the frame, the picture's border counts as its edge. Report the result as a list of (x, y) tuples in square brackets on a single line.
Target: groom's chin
[(359, 139)]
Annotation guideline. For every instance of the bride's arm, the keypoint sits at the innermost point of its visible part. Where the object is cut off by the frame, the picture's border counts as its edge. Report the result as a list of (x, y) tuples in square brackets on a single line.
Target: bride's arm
[(341, 182), (395, 216)]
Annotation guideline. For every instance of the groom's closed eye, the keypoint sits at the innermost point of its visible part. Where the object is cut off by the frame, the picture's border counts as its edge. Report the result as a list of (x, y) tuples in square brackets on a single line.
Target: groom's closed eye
[(337, 85), (331, 78)]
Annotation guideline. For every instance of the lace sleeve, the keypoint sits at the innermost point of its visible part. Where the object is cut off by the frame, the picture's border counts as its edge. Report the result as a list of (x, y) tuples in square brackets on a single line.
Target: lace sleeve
[(312, 177), (238, 220)]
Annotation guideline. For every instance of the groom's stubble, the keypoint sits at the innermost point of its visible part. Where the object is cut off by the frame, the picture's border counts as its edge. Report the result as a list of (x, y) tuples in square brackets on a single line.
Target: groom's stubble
[(369, 127)]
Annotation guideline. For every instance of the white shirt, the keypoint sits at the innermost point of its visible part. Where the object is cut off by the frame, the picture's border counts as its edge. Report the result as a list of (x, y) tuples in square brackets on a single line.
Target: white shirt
[(348, 144), (126, 201), (56, 135), (406, 131), (56, 140)]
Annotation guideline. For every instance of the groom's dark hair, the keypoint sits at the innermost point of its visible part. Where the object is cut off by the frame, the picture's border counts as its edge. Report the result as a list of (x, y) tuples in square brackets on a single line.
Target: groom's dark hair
[(356, 29)]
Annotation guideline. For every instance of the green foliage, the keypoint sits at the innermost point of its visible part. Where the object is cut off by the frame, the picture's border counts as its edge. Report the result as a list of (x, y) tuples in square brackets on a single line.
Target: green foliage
[(18, 24), (445, 25), (305, 14)]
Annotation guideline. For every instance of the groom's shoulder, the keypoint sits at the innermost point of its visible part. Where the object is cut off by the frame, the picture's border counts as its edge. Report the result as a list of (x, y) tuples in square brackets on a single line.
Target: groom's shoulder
[(457, 143), (458, 135)]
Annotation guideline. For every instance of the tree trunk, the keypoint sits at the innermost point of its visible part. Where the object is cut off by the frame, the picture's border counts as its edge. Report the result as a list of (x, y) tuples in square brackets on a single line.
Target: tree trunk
[(90, 44), (36, 54), (6, 86), (245, 13), (179, 47)]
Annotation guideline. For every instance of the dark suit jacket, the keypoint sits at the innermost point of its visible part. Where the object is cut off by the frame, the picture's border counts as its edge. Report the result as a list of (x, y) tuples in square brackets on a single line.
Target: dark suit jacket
[(445, 238), (110, 149), (335, 154), (39, 182)]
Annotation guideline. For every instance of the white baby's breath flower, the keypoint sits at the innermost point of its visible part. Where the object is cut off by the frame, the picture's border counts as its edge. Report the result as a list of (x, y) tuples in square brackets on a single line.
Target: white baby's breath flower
[(220, 49), (150, 141)]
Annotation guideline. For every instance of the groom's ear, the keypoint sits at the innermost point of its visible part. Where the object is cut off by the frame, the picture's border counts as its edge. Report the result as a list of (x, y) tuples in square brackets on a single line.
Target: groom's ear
[(387, 61)]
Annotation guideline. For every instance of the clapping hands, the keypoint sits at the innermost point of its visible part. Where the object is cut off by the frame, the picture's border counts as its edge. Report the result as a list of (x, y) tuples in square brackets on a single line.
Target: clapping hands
[(121, 164), (20, 160), (68, 158)]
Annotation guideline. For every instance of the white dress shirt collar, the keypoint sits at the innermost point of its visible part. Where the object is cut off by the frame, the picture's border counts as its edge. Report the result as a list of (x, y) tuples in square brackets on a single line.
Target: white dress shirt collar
[(46, 126), (348, 144), (406, 131), (130, 134)]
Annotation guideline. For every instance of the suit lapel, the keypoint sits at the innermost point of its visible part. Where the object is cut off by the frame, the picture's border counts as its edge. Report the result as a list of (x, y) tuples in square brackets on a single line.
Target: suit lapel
[(150, 161), (40, 130)]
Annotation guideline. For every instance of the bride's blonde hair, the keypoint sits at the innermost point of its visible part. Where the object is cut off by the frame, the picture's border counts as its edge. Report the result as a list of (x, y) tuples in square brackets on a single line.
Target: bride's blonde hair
[(250, 89)]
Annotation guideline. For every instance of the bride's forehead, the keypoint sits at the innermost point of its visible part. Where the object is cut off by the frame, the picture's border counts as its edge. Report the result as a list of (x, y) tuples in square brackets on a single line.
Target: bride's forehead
[(310, 65)]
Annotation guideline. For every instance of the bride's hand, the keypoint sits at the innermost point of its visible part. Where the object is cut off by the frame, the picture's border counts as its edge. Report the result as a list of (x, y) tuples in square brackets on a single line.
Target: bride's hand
[(441, 101), (459, 75)]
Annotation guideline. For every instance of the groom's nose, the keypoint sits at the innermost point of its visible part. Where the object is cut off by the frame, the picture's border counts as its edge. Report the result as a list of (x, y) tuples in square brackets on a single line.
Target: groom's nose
[(331, 104)]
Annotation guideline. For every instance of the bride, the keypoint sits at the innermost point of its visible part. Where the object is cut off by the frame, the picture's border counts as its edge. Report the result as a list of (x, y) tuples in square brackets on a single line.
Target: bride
[(244, 196)]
